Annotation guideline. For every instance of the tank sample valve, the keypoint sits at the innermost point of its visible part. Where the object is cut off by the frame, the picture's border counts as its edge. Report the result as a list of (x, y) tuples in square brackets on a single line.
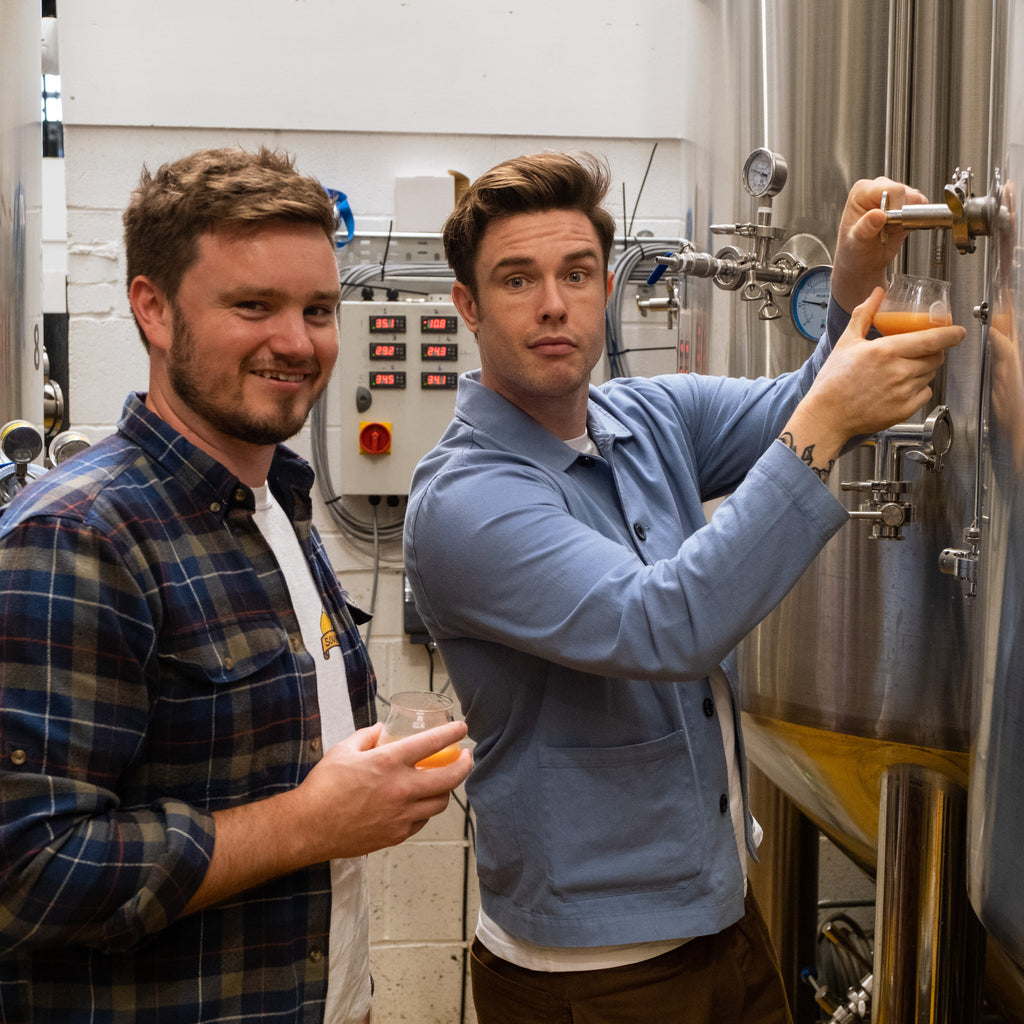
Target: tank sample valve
[(962, 563), (966, 214), (926, 443), (668, 303)]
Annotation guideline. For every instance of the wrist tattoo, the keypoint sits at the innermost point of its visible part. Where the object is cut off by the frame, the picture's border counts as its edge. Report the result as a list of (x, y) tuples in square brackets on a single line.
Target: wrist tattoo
[(807, 456)]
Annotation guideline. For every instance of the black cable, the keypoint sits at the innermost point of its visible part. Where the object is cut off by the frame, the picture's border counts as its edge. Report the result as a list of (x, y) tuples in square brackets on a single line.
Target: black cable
[(650, 160), (466, 827), (374, 504), (469, 838), (387, 246)]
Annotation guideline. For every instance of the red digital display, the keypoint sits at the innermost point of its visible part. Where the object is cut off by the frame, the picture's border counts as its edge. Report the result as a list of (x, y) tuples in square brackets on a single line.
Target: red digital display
[(383, 324), (446, 381), (441, 351), (387, 379), (439, 324), (387, 349)]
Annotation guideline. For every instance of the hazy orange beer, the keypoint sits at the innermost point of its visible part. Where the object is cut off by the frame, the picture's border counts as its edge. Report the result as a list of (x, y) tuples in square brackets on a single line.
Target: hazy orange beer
[(914, 304), (414, 711)]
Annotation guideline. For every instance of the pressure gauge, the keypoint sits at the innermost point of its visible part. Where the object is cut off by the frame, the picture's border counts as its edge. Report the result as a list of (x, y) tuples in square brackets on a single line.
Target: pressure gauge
[(809, 302), (764, 173)]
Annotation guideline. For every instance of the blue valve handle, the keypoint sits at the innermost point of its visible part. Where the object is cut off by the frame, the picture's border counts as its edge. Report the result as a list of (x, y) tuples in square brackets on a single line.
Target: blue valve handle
[(658, 271), (345, 216)]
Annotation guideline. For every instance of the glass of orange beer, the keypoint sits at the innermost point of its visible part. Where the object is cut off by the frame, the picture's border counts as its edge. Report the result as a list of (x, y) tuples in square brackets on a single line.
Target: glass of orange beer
[(914, 304), (415, 710)]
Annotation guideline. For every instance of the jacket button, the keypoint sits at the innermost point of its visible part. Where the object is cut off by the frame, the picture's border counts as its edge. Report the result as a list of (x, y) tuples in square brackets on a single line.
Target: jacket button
[(709, 707), (640, 530), (723, 803), (18, 757)]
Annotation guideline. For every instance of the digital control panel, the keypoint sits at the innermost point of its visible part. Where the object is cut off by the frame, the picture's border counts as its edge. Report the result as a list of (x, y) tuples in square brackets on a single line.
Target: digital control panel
[(397, 373)]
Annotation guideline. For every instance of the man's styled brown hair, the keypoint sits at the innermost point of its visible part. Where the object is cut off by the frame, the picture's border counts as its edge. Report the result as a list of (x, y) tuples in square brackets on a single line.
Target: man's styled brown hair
[(213, 189), (526, 184)]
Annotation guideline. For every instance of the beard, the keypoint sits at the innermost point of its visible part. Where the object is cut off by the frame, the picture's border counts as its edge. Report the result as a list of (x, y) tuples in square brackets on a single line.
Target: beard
[(210, 398)]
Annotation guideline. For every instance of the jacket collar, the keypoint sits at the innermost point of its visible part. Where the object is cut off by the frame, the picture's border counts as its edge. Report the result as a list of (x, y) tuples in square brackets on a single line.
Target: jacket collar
[(507, 426)]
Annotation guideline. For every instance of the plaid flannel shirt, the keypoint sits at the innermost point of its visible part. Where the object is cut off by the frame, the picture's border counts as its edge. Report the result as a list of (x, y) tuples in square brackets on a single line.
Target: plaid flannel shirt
[(151, 672)]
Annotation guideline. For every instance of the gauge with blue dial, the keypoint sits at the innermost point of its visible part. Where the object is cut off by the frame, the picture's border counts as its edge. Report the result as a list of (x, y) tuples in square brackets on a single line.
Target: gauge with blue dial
[(809, 302)]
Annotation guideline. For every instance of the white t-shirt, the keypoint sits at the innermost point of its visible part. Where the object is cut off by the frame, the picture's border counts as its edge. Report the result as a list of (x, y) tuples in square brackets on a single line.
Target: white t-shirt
[(348, 978)]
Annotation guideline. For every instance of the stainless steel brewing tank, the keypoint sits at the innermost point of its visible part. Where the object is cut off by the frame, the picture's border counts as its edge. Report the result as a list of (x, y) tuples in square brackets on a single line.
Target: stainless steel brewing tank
[(21, 317), (996, 800), (868, 662)]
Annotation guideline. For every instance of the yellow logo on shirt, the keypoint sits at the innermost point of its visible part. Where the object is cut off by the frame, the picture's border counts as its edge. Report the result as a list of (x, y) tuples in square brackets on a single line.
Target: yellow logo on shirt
[(328, 637)]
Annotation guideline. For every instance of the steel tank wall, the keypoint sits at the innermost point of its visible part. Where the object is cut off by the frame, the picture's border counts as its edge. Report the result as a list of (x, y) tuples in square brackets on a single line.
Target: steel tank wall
[(21, 317), (996, 797)]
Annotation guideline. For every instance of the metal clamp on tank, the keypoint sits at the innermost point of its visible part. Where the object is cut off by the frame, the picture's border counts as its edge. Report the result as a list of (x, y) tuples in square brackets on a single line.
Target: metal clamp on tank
[(968, 215), (757, 275), (925, 443)]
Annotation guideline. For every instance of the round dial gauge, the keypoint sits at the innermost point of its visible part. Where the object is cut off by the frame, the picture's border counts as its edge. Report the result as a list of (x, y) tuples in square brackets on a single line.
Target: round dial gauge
[(809, 302), (764, 173)]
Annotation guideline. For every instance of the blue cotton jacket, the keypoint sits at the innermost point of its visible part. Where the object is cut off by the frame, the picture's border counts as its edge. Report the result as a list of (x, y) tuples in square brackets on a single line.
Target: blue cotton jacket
[(580, 604)]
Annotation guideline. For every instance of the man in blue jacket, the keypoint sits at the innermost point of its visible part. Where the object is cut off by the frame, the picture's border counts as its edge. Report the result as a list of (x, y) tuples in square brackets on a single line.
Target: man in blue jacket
[(558, 549)]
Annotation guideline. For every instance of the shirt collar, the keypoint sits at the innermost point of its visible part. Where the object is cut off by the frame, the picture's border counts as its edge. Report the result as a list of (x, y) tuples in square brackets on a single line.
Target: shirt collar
[(290, 478)]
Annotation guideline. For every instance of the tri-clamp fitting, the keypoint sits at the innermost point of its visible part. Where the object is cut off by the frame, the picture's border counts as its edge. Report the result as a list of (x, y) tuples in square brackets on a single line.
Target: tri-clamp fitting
[(966, 214), (926, 443)]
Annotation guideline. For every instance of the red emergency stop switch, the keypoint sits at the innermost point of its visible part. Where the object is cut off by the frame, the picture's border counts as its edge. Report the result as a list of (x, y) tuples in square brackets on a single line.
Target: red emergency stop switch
[(374, 438)]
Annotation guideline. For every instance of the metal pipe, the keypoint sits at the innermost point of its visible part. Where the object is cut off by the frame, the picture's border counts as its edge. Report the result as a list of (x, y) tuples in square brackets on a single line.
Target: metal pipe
[(785, 882), (929, 946), (898, 93)]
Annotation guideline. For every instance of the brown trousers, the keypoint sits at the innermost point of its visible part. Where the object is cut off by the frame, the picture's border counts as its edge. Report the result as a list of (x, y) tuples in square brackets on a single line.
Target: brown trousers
[(729, 978)]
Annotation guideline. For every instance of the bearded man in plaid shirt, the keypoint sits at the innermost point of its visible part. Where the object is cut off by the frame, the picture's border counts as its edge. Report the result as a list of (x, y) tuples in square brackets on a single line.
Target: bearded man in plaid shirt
[(189, 777)]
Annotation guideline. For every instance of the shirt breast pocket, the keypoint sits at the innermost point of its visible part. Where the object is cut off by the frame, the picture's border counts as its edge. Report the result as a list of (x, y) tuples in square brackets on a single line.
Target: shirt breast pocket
[(232, 706), (223, 652)]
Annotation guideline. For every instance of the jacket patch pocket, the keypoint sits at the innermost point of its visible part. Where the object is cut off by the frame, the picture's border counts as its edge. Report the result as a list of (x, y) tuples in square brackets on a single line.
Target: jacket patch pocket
[(621, 819)]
